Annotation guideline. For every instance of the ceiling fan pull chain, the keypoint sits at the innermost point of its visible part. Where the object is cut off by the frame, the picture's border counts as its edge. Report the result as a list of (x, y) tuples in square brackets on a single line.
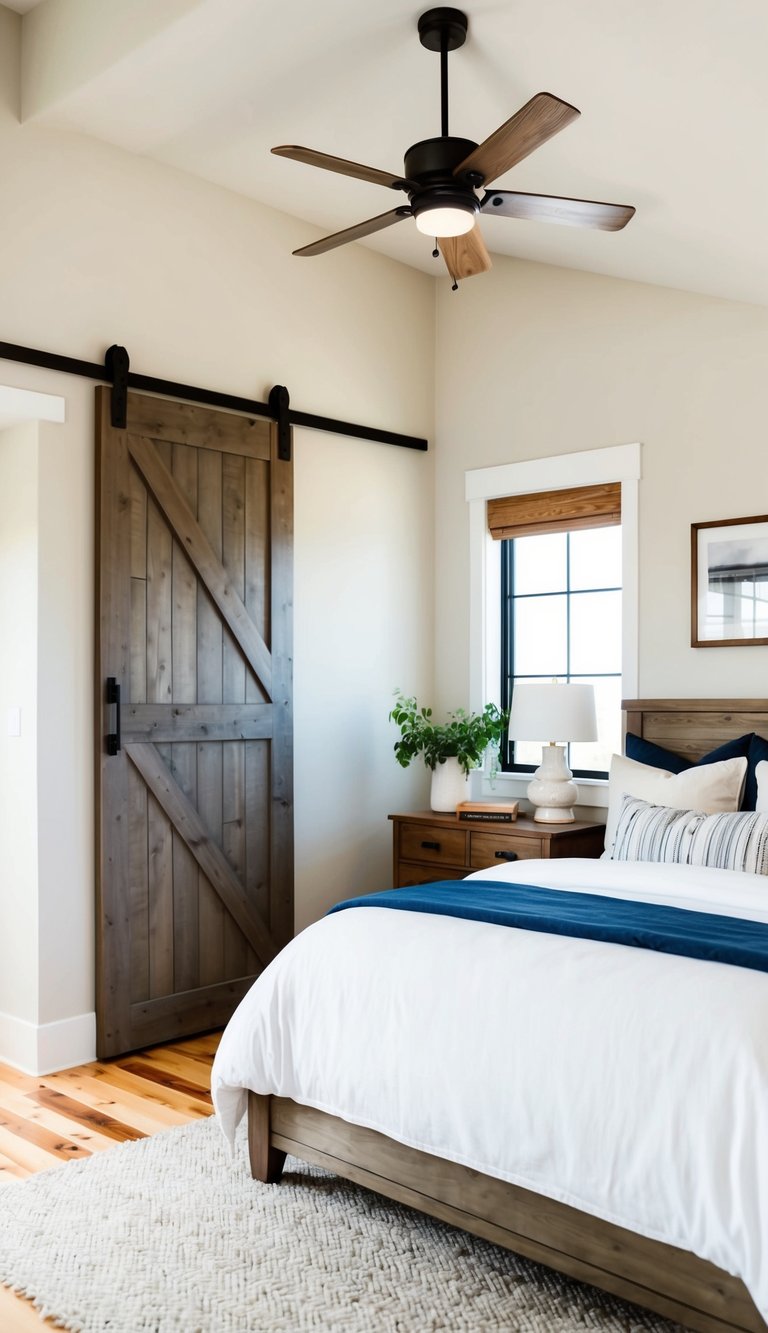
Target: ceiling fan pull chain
[(435, 252), (455, 286)]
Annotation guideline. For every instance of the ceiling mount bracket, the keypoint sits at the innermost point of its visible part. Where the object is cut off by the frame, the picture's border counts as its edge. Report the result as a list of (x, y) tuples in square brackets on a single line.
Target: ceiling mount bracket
[(438, 26)]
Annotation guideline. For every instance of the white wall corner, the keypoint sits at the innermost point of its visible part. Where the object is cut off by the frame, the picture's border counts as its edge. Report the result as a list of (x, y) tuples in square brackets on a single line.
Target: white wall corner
[(44, 1049), (18, 405)]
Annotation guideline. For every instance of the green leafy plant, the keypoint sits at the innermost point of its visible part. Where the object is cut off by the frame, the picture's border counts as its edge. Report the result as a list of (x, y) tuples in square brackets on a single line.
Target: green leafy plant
[(464, 736)]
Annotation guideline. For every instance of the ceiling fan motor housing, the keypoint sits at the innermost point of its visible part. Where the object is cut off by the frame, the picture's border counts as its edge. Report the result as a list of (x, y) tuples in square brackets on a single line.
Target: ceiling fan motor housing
[(429, 165), (432, 161)]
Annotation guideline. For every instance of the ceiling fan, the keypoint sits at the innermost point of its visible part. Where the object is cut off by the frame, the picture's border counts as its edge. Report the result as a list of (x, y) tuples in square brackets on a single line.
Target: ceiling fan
[(442, 176)]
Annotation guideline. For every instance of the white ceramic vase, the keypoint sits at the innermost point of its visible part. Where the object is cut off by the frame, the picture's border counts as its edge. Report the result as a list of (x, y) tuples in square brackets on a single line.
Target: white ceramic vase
[(450, 785)]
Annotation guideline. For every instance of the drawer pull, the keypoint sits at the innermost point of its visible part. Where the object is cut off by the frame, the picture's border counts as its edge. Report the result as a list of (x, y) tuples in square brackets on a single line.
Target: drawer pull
[(505, 856), (431, 846)]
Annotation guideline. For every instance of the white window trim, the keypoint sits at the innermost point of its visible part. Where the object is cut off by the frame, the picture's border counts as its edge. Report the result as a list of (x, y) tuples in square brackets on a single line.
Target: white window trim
[(590, 467)]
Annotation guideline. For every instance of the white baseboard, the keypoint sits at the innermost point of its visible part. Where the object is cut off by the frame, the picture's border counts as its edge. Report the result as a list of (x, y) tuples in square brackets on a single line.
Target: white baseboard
[(48, 1047)]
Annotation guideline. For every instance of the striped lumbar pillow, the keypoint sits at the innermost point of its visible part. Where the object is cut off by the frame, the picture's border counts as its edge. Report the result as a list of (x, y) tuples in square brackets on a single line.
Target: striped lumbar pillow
[(709, 787), (725, 841)]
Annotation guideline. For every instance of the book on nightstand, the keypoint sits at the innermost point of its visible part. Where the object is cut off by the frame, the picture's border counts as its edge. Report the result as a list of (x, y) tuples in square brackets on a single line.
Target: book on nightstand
[(489, 812)]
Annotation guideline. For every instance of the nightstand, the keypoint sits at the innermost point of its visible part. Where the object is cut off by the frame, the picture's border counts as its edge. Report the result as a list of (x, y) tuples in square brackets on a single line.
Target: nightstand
[(429, 846)]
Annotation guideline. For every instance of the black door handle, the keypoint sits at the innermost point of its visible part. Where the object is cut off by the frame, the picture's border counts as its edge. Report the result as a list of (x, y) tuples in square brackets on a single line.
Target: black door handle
[(113, 697), (505, 856), (432, 846)]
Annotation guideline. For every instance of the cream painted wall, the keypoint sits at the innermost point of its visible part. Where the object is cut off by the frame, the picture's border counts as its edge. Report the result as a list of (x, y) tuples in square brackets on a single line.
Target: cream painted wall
[(534, 361), (200, 285), (357, 610), (18, 754)]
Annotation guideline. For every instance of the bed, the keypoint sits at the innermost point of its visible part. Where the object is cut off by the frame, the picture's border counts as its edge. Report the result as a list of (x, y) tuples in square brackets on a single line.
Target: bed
[(565, 1189)]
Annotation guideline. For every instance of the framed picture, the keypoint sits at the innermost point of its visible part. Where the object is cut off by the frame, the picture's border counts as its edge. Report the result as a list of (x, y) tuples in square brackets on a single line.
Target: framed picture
[(729, 582)]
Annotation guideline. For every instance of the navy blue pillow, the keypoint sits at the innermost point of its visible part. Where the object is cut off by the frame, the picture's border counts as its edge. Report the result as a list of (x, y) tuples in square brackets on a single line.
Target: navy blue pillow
[(751, 747), (645, 752)]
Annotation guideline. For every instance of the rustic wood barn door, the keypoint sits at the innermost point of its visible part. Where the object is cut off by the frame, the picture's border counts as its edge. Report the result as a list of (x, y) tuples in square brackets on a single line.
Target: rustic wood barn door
[(195, 832)]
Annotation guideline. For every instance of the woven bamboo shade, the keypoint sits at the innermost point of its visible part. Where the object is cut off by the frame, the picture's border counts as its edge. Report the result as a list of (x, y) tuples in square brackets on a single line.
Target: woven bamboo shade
[(555, 511)]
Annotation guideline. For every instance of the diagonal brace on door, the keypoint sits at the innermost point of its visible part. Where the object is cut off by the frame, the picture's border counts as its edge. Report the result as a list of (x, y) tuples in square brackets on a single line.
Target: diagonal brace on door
[(202, 555), (211, 860)]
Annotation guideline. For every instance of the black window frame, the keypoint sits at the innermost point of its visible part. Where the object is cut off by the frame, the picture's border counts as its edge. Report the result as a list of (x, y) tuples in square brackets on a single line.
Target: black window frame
[(508, 600)]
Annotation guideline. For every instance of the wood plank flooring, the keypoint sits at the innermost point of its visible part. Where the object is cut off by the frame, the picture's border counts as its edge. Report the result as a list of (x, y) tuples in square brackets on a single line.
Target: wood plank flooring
[(56, 1118)]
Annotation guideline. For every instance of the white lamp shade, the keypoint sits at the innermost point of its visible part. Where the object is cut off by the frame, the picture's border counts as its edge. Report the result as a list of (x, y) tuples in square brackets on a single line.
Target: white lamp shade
[(552, 712)]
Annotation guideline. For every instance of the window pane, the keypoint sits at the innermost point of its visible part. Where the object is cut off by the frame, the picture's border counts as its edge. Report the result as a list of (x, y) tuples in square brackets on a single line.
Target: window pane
[(527, 752), (595, 632), (540, 563), (540, 646), (596, 755), (574, 633), (596, 558)]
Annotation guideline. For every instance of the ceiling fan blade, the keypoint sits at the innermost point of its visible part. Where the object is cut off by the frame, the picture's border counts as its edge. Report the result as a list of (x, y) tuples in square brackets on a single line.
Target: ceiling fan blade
[(340, 164), (466, 255), (528, 129), (549, 208), (354, 233)]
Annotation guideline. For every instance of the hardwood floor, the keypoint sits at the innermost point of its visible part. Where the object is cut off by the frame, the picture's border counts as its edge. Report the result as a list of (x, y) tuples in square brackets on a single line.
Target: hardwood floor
[(55, 1118)]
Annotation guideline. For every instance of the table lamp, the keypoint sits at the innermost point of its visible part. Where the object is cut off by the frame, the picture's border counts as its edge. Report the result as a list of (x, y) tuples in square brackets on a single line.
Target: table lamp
[(566, 712)]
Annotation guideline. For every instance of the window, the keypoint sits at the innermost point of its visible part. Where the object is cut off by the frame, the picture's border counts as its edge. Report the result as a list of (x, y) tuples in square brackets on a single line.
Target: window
[(561, 618), (617, 469)]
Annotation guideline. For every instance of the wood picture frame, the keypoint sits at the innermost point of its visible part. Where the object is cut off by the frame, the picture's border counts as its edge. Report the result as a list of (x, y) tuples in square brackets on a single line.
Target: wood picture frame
[(729, 582)]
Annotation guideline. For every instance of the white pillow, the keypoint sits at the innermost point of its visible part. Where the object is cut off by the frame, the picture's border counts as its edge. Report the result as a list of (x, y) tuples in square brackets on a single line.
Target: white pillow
[(724, 841), (710, 788), (761, 773)]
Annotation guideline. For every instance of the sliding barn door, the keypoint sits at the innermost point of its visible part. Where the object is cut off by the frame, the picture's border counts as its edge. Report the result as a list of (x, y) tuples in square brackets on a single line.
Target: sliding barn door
[(195, 832)]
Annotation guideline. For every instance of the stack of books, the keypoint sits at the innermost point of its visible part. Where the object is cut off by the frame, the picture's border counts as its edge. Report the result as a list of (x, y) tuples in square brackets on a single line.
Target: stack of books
[(488, 812)]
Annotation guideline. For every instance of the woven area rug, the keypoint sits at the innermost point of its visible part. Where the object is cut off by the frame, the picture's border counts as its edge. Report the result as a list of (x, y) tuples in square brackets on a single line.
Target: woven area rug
[(167, 1234)]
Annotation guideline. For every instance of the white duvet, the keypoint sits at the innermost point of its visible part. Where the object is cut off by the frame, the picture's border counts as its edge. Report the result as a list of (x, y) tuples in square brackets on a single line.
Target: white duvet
[(631, 1084)]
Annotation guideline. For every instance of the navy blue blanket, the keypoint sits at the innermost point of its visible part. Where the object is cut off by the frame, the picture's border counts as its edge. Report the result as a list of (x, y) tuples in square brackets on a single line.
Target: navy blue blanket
[(723, 939)]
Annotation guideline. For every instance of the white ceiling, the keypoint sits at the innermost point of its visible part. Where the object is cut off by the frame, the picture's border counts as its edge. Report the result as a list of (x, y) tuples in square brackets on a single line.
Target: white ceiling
[(673, 96)]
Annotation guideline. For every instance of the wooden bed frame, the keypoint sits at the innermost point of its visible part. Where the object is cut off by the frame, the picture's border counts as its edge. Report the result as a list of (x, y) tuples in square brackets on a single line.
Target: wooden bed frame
[(672, 1282)]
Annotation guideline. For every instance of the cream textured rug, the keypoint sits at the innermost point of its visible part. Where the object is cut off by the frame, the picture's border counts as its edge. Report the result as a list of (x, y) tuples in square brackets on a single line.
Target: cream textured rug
[(167, 1234)]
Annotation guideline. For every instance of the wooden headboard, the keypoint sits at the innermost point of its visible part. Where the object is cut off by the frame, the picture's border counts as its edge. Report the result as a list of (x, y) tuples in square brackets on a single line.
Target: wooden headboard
[(693, 727)]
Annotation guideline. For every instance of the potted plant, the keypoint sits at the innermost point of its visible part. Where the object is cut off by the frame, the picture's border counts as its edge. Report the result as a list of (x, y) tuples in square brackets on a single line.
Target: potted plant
[(451, 749)]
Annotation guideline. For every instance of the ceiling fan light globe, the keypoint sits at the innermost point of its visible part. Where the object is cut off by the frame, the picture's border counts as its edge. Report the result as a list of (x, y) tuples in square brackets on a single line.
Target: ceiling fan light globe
[(446, 221)]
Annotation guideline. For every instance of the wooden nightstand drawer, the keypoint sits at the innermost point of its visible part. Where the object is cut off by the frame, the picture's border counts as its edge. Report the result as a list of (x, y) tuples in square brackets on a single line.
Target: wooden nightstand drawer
[(438, 846), (411, 873), (485, 849)]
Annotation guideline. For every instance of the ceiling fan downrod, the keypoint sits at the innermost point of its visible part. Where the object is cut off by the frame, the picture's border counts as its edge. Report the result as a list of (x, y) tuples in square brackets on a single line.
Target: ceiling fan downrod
[(443, 30)]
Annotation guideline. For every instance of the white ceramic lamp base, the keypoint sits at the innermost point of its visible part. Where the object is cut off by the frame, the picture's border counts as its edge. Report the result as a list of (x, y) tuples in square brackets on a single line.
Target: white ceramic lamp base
[(553, 792)]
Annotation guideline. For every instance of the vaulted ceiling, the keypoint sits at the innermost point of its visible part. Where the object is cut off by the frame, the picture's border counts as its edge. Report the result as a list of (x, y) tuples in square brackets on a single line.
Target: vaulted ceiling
[(672, 93)]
